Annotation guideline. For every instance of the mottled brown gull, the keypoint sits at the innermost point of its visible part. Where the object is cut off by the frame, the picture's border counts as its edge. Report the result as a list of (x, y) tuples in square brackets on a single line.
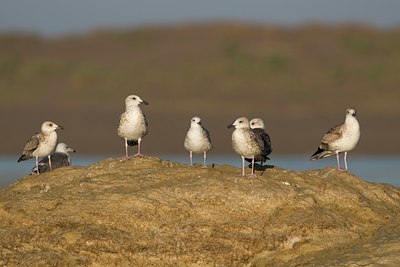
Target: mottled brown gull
[(245, 142), (41, 144), (258, 127), (60, 158), (340, 139), (197, 140), (133, 124)]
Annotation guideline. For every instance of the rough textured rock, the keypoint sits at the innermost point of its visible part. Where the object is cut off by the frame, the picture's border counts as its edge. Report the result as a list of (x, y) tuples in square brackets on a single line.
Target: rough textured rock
[(148, 211)]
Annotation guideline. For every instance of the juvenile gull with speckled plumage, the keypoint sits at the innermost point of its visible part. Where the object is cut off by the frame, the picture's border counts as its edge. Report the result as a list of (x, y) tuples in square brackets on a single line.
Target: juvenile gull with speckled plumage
[(133, 124), (41, 144), (342, 138), (258, 128), (245, 142), (60, 158), (197, 140)]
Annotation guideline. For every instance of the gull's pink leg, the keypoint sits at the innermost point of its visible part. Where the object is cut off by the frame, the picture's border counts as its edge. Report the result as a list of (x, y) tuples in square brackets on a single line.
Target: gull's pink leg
[(338, 161), (243, 166), (49, 162), (126, 149), (139, 154), (252, 168), (191, 158), (204, 162), (37, 166)]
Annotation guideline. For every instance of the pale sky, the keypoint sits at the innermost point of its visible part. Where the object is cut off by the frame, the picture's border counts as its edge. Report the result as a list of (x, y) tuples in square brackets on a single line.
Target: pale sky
[(59, 17)]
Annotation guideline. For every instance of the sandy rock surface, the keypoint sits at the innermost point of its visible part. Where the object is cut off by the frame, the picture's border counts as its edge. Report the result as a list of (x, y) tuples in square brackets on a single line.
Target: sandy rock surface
[(147, 211)]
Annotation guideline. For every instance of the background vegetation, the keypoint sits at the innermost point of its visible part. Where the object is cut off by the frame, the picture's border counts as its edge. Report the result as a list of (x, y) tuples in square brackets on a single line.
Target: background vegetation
[(299, 80)]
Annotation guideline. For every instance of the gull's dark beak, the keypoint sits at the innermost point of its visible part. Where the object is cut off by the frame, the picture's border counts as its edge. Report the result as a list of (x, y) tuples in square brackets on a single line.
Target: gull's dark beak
[(145, 102), (230, 126), (60, 127)]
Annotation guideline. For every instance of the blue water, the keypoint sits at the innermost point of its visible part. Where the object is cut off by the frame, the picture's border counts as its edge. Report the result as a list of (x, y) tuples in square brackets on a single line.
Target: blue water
[(380, 169)]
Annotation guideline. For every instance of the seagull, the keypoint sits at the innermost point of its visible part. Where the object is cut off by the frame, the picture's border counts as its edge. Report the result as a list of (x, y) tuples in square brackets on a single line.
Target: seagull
[(60, 158), (41, 144), (197, 140), (133, 124), (245, 142), (257, 125), (340, 139)]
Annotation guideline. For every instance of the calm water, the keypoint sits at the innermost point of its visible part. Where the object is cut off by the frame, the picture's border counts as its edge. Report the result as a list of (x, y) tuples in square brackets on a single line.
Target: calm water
[(382, 169)]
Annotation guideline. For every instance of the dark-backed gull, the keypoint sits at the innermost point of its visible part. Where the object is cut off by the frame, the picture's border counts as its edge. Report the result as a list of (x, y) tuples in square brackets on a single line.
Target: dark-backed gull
[(244, 142), (342, 138), (60, 158), (258, 127), (197, 140)]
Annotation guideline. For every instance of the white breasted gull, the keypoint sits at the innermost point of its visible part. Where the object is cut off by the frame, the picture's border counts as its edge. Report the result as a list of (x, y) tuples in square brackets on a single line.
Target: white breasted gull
[(41, 144), (197, 140), (340, 139), (133, 124), (244, 142), (258, 127), (60, 158)]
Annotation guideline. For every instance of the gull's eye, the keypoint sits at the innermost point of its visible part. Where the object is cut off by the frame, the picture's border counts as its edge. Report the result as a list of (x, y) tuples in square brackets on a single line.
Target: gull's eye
[(51, 125)]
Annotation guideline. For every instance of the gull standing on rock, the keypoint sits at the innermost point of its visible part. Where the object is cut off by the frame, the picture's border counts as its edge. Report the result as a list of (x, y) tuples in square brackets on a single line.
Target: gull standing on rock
[(133, 124), (197, 140), (342, 138), (41, 144), (245, 142), (258, 128), (60, 158)]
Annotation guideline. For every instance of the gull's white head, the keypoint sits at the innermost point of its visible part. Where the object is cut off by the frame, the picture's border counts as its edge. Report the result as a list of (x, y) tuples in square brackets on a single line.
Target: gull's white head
[(64, 148), (351, 112), (134, 101), (257, 123), (48, 127), (239, 123), (195, 121)]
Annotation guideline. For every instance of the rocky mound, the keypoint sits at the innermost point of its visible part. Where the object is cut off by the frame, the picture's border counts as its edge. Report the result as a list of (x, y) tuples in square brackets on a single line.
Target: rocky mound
[(147, 211)]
